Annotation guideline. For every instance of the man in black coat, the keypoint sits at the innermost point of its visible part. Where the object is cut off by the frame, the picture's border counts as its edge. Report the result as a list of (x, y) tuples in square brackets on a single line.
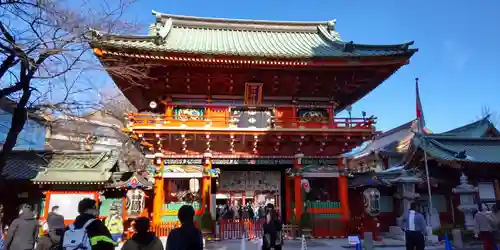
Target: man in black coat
[(55, 221), (23, 231)]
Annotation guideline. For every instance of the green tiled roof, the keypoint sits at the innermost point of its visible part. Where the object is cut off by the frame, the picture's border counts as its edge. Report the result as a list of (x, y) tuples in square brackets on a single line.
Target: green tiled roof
[(273, 39), (461, 149), (476, 129), (79, 167)]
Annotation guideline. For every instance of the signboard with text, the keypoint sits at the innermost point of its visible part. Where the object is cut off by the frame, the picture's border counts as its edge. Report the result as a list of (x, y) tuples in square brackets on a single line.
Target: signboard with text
[(196, 161)]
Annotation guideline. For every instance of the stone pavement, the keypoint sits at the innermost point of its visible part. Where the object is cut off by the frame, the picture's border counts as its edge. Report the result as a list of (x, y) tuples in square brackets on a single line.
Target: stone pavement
[(386, 244)]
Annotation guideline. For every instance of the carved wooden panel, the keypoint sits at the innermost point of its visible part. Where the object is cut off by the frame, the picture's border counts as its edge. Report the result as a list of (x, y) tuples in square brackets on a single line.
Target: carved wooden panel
[(189, 114), (249, 181), (251, 118), (313, 114)]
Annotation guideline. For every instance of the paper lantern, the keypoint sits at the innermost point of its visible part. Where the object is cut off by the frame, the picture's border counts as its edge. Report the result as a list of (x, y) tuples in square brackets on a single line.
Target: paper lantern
[(305, 185), (194, 185)]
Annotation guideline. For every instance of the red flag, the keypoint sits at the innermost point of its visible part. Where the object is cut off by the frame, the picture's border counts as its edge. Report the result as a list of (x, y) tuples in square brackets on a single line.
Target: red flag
[(420, 112)]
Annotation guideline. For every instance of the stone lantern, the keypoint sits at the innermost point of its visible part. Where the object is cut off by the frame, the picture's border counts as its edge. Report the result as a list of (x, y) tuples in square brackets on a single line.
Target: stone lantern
[(467, 205), (406, 194), (406, 189)]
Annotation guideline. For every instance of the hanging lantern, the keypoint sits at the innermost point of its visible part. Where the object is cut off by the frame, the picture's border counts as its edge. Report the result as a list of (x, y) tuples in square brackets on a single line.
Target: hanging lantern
[(194, 185), (305, 185)]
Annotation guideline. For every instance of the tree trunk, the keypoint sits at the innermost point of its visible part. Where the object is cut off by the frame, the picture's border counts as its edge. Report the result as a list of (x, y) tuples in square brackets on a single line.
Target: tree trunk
[(19, 118)]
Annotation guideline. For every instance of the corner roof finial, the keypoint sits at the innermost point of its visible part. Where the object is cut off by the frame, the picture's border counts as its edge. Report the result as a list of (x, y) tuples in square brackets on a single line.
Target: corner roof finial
[(157, 15), (331, 24)]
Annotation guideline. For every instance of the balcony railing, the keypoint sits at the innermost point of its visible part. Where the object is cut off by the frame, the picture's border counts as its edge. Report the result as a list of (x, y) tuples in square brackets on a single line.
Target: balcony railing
[(151, 121)]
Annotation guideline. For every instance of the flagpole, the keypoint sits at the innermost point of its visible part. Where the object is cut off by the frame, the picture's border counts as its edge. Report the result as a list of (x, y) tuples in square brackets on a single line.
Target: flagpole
[(428, 187), (421, 130)]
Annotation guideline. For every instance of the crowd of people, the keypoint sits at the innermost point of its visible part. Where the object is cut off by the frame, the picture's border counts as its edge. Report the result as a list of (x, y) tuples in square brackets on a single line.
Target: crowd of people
[(236, 211), (486, 227), (88, 232)]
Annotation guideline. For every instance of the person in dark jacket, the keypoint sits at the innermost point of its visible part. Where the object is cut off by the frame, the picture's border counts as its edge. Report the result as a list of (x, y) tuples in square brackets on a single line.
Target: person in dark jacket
[(52, 238), (273, 238), (186, 237), (55, 220), (23, 231), (97, 232), (143, 239)]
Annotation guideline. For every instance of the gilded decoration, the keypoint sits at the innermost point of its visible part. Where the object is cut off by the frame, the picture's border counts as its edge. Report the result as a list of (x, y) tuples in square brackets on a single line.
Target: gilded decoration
[(313, 115), (189, 171), (189, 114)]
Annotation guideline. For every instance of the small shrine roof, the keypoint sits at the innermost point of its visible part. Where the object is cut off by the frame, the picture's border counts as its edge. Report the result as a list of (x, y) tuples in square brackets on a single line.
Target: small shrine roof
[(394, 141), (78, 167), (129, 180), (367, 180), (460, 149), (235, 37), (476, 129)]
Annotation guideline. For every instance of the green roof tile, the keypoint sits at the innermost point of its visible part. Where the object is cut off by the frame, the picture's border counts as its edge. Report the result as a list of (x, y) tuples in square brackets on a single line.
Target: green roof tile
[(461, 149), (476, 129), (78, 167), (212, 36)]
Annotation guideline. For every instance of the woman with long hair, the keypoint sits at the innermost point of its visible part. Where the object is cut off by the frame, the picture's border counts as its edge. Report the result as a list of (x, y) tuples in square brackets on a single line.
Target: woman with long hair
[(484, 226), (273, 236)]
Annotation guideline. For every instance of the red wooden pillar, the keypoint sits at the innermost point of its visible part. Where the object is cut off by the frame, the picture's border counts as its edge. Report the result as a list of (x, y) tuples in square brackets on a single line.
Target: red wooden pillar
[(299, 203), (206, 184), (159, 191), (343, 191)]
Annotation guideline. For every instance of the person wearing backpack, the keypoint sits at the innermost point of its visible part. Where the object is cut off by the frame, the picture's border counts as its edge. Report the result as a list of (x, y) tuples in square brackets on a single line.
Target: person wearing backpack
[(143, 239), (23, 231), (186, 237), (87, 232)]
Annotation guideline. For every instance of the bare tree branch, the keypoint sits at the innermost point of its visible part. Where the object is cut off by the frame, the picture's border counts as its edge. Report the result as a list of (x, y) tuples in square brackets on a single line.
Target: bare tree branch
[(45, 54)]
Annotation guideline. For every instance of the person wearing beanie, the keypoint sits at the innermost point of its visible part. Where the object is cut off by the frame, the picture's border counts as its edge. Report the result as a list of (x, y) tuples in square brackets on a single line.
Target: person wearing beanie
[(143, 239), (98, 235)]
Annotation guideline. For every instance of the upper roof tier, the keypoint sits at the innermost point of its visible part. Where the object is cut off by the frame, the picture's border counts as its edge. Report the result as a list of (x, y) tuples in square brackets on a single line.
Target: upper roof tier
[(247, 38)]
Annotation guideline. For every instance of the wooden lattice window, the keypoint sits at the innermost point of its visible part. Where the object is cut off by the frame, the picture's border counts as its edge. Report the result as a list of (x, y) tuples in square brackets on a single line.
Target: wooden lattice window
[(253, 93)]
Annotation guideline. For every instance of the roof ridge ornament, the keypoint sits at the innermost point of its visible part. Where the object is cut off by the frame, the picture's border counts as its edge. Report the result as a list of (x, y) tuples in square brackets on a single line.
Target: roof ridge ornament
[(94, 34), (331, 24), (162, 30)]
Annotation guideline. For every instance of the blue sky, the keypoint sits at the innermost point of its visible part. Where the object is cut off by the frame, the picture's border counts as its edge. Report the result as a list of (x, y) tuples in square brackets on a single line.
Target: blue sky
[(457, 62)]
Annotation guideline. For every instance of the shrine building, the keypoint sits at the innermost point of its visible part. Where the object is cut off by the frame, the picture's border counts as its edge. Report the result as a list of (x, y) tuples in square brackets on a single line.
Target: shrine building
[(238, 111)]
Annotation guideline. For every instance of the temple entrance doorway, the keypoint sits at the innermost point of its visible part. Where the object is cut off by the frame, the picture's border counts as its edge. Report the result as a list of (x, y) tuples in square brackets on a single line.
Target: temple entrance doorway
[(241, 195)]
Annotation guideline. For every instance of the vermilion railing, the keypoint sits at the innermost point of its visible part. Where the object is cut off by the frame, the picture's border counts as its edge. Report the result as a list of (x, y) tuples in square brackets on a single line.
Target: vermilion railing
[(236, 229), (148, 120), (228, 229), (163, 228)]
